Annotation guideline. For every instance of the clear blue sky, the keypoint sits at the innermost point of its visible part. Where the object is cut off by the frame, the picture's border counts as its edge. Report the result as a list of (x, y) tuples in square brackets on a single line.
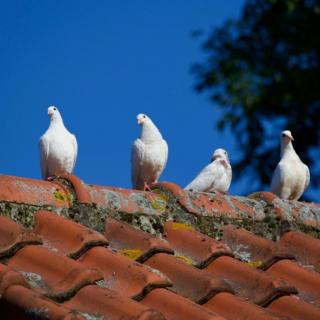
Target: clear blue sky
[(101, 63)]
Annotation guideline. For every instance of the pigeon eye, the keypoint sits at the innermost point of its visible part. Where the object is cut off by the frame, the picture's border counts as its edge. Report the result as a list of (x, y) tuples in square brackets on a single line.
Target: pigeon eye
[(54, 109), (143, 116)]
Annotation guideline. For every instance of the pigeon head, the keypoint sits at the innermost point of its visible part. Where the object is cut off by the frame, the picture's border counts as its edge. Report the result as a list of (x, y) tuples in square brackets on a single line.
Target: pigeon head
[(286, 136), (220, 154), (53, 113), (142, 118)]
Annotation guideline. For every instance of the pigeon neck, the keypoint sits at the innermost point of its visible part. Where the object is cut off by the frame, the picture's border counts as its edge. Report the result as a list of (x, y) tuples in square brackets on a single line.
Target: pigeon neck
[(56, 122), (286, 147), (149, 132)]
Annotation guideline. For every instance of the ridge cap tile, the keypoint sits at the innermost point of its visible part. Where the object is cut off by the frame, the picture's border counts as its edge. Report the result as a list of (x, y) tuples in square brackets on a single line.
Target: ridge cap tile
[(32, 191), (69, 237)]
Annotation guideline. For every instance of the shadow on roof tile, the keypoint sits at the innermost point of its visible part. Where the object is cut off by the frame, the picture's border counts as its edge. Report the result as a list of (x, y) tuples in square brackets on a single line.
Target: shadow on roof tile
[(20, 303)]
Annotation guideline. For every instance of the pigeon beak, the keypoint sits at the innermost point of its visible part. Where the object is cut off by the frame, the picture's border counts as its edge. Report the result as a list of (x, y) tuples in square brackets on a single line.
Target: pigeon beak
[(139, 121), (291, 138), (50, 113)]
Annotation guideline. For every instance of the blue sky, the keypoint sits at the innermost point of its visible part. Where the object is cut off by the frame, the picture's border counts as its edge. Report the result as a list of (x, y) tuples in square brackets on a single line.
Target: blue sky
[(101, 63)]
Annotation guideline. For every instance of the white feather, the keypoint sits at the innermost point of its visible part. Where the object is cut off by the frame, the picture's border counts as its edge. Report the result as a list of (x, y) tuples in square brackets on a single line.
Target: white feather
[(216, 176), (149, 154), (58, 147), (291, 176)]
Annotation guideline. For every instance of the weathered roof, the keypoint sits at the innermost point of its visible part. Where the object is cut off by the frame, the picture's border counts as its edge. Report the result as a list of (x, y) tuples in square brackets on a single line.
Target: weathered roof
[(69, 250)]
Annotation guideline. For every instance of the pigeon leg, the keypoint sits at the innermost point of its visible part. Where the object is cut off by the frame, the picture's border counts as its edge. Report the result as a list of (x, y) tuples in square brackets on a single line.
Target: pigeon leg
[(146, 187)]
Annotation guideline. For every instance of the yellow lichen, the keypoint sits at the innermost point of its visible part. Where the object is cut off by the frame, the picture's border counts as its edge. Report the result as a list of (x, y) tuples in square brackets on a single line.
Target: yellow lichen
[(182, 226), (60, 196), (185, 259), (255, 264), (133, 254), (158, 205)]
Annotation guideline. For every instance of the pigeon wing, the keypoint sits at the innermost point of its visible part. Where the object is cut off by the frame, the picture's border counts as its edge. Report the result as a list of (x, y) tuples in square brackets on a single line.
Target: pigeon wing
[(307, 178), (277, 182), (75, 149), (204, 180), (137, 153), (44, 147)]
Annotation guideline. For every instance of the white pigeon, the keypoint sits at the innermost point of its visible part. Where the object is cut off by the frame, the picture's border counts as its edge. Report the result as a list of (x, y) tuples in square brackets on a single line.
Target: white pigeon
[(149, 154), (58, 147), (291, 176), (216, 176)]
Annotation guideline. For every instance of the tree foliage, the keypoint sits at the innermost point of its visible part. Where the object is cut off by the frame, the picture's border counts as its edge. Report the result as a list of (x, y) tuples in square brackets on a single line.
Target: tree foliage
[(263, 70)]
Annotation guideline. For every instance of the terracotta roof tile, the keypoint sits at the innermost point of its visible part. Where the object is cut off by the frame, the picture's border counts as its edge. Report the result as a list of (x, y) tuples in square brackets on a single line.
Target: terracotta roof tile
[(123, 275), (307, 214), (9, 277), (33, 192), (175, 307), (70, 238), (14, 236), (254, 250), (20, 303), (194, 245), (232, 307), (133, 243), (304, 248), (211, 204), (204, 248), (187, 280), (248, 282), (51, 273), (294, 308), (306, 281), (129, 201), (102, 302)]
